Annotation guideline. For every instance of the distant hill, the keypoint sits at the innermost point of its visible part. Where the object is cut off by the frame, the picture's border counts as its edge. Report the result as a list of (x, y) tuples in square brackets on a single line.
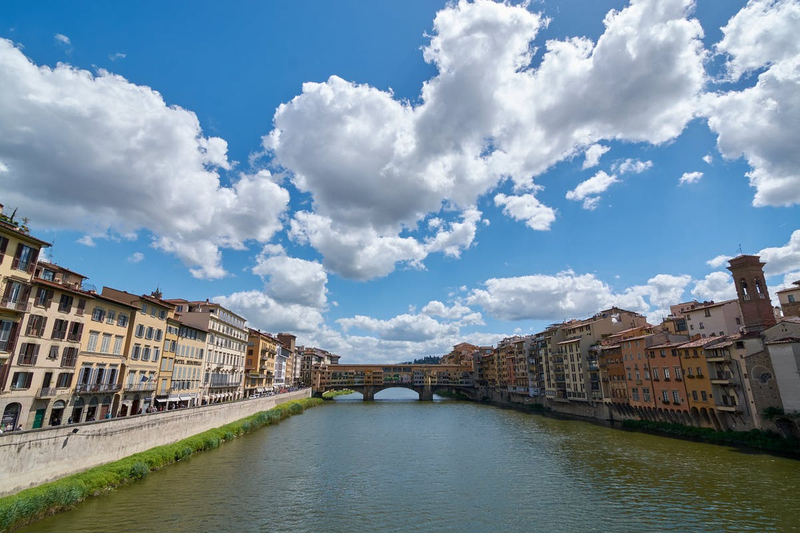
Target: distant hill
[(427, 360)]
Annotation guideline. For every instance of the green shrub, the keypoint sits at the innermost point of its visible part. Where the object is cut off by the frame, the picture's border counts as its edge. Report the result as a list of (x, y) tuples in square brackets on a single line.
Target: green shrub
[(139, 470)]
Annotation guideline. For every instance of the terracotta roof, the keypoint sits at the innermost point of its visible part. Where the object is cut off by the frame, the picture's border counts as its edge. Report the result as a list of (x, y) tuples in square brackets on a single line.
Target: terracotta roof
[(701, 342), (665, 345)]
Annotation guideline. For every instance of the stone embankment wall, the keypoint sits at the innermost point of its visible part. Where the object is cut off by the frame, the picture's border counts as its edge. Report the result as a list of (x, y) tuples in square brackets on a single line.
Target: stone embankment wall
[(596, 411), (29, 458)]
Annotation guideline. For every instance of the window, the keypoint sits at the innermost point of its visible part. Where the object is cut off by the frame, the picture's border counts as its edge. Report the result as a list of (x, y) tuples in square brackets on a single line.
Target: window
[(25, 258), (158, 335), (677, 372), (28, 353), (676, 397), (655, 373), (702, 326), (110, 316), (75, 332), (162, 314), (136, 352), (156, 353), (122, 321), (53, 353), (69, 357), (149, 334), (144, 309), (93, 337), (152, 311), (738, 321), (765, 377), (65, 304), (106, 344), (81, 306), (21, 380), (139, 330), (43, 297), (59, 329), (118, 345), (36, 325), (699, 372), (694, 395), (708, 312), (665, 396), (663, 353), (146, 353), (703, 395), (666, 373), (64, 380), (98, 314)]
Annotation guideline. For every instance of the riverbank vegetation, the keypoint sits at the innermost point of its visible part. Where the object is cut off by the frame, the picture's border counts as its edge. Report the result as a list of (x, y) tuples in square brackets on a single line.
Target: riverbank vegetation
[(763, 440), (35, 503), (331, 394)]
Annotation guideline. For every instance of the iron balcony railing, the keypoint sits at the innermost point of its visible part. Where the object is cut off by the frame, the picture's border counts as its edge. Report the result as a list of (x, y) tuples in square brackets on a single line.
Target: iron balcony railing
[(97, 387)]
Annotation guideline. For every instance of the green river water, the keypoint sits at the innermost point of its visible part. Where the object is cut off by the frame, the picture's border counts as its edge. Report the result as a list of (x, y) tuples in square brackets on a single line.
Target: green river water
[(398, 465)]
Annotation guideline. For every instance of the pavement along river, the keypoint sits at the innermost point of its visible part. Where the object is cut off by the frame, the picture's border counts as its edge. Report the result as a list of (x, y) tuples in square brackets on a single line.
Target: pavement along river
[(398, 465)]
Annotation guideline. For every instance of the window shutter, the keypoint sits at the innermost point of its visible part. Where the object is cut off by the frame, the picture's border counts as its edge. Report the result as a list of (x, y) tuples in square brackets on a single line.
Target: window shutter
[(80, 332), (3, 246), (12, 337), (48, 300), (81, 306), (7, 292), (35, 353), (24, 294), (40, 333), (17, 254), (31, 323), (22, 349), (28, 380), (33, 261)]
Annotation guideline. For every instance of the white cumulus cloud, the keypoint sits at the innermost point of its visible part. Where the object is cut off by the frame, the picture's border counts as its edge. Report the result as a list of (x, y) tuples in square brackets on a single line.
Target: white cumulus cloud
[(689, 178), (97, 153), (593, 155)]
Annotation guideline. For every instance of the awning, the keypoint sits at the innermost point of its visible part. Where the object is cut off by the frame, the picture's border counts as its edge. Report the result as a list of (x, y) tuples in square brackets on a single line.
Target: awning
[(185, 398), (206, 398)]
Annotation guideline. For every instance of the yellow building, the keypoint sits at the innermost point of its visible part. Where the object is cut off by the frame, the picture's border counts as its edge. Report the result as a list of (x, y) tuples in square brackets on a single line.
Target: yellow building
[(699, 392), (143, 348), (167, 365), (19, 253), (262, 349), (101, 360)]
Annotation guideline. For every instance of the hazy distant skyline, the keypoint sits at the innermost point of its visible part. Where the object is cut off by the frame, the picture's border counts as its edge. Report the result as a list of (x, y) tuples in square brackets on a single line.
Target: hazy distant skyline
[(386, 179)]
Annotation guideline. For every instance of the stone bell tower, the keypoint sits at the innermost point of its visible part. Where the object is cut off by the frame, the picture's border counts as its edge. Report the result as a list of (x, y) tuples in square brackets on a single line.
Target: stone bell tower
[(751, 289)]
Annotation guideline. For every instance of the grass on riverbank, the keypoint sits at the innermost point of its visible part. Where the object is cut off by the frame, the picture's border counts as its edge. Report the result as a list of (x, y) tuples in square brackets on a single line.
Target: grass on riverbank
[(763, 440), (35, 503), (331, 394)]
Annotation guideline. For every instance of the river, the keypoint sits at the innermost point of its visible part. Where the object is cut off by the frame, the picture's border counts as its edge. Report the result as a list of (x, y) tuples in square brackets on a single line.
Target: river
[(398, 465)]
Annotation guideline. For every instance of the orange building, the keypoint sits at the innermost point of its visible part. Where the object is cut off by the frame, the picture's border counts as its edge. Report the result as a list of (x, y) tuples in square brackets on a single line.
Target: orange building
[(698, 386), (667, 378)]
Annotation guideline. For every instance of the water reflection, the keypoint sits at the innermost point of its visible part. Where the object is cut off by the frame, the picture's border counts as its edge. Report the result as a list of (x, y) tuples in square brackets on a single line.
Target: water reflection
[(399, 465)]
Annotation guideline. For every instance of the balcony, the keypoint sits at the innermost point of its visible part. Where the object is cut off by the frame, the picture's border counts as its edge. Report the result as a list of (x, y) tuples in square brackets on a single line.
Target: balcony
[(7, 303), (723, 378), (729, 408), (143, 386), (88, 388), (46, 392), (224, 384)]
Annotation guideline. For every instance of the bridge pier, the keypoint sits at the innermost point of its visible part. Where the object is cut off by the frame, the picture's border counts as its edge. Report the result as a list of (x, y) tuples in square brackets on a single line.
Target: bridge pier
[(368, 393), (427, 394)]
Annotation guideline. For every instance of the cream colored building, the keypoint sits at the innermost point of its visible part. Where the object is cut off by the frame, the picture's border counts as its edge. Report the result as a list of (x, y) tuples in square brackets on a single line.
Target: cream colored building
[(143, 349), (187, 374), (790, 300), (226, 347), (43, 366)]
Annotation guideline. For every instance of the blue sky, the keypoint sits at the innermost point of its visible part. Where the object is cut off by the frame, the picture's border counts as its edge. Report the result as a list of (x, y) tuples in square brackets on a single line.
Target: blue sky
[(386, 179)]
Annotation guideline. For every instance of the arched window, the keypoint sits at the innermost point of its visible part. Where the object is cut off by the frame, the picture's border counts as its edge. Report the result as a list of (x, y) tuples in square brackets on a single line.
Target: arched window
[(745, 291), (765, 377)]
